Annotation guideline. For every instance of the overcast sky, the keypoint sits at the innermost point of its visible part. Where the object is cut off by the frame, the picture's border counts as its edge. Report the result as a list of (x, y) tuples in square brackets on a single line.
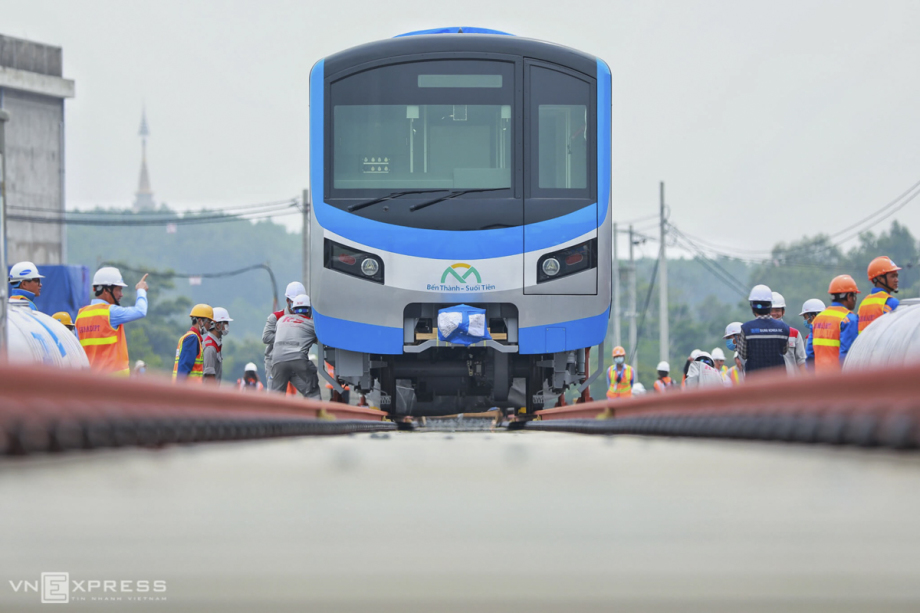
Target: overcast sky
[(767, 120)]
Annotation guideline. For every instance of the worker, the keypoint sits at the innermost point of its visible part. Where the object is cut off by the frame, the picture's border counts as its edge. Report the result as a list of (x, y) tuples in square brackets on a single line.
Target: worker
[(140, 368), (189, 351), (718, 361), (211, 356), (735, 374), (702, 372), (620, 376), (250, 380), (883, 273), (293, 289), (795, 356), (810, 310), (836, 327), (763, 341), (693, 355), (100, 325), (25, 283), (664, 380), (291, 363), (64, 318)]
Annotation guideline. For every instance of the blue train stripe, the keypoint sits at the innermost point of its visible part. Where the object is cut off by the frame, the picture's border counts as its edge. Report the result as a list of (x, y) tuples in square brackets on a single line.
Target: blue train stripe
[(604, 102), (550, 338)]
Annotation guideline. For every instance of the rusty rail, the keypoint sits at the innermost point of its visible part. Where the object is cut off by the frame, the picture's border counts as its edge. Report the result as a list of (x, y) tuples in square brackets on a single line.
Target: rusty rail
[(875, 407), (43, 409)]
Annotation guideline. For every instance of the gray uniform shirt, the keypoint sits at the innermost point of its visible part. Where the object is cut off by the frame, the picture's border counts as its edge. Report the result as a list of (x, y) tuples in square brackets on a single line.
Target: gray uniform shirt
[(213, 360), (268, 337), (795, 357), (294, 335)]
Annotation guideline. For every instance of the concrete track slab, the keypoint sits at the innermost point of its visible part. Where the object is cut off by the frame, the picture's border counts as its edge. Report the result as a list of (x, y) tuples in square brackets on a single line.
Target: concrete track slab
[(439, 521)]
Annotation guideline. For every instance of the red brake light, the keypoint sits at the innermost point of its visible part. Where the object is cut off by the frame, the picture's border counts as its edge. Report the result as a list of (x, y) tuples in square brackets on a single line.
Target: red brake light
[(347, 259), (575, 258)]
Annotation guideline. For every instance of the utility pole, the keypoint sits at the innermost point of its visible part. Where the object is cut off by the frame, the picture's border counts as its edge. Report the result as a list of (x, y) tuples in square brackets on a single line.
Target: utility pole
[(663, 323), (4, 286), (633, 341), (306, 239), (617, 340)]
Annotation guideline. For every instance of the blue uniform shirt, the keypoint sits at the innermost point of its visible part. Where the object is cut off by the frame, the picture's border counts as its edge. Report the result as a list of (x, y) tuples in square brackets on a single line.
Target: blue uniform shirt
[(892, 302), (187, 355), (15, 291), (809, 348)]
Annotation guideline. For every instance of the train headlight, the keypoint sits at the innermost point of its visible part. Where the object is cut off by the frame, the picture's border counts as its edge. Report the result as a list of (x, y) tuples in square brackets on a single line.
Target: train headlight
[(551, 267), (370, 267), (351, 261), (568, 261)]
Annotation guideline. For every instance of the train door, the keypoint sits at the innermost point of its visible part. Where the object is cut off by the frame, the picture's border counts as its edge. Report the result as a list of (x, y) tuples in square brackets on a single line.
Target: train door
[(560, 186)]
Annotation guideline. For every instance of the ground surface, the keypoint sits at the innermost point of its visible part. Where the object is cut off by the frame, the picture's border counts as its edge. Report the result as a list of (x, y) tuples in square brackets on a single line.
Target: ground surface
[(440, 521)]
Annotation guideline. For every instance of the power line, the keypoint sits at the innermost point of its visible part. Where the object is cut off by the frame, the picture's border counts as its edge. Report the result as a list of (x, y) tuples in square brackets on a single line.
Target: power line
[(287, 208), (872, 216)]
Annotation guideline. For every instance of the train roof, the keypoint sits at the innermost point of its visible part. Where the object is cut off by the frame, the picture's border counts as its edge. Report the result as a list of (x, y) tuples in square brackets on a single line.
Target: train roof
[(452, 40)]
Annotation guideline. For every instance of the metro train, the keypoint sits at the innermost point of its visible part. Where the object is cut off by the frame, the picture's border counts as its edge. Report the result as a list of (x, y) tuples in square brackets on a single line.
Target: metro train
[(460, 166)]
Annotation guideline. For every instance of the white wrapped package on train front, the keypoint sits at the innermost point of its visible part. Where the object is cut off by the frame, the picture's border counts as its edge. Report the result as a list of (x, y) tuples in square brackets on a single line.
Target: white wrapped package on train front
[(33, 337)]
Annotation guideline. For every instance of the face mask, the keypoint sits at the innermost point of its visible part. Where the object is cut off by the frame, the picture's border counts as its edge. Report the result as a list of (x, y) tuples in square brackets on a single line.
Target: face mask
[(225, 330), (730, 343), (619, 360)]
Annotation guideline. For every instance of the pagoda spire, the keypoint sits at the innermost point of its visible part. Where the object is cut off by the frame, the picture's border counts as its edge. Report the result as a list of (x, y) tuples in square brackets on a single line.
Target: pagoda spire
[(143, 198)]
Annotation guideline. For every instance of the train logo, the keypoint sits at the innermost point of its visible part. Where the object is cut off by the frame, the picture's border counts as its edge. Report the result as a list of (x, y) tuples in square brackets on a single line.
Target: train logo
[(453, 268)]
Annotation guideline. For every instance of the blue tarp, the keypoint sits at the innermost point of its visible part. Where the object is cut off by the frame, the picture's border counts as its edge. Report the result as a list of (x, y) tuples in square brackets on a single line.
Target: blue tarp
[(64, 288), (463, 325)]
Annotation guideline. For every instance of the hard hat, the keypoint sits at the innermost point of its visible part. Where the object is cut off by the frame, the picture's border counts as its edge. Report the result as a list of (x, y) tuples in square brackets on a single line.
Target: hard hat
[(638, 389), (778, 301), (880, 266), (618, 352), (695, 354), (202, 310), (761, 293), (664, 367), (108, 275), (294, 289), (63, 317), (250, 367), (221, 314), (301, 301), (843, 284), (704, 355), (813, 305), (718, 354), (732, 329), (24, 271), (140, 364)]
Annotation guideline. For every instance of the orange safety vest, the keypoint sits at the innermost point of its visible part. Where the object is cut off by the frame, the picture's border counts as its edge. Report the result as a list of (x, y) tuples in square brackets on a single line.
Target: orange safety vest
[(826, 338), (106, 347), (241, 385), (197, 373), (662, 385), (872, 307), (622, 389)]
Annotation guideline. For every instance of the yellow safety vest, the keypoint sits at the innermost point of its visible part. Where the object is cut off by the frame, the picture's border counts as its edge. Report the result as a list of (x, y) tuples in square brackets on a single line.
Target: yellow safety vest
[(621, 389)]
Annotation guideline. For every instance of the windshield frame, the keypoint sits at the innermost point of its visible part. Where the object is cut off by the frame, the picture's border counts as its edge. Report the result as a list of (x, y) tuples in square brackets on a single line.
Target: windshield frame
[(344, 197)]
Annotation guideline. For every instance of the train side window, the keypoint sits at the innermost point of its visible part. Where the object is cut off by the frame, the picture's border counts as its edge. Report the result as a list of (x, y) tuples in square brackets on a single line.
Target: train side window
[(560, 105)]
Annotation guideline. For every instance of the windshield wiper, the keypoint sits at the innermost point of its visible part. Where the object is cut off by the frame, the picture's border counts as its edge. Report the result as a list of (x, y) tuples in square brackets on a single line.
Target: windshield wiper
[(416, 207), (361, 205)]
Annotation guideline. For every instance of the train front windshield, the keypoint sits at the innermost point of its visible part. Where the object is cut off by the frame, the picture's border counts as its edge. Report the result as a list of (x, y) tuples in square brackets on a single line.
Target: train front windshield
[(423, 125)]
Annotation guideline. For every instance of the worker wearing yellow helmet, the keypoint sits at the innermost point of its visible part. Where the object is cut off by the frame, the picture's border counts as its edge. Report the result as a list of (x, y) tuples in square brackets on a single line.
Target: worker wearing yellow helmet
[(189, 356), (620, 376), (64, 318)]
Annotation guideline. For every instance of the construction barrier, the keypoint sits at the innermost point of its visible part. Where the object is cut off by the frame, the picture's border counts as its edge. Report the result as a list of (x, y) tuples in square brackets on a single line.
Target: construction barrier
[(874, 407), (50, 409)]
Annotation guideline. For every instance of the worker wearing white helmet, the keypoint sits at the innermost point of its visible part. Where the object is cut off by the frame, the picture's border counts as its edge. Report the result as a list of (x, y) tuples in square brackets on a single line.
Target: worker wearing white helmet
[(212, 357), (763, 341), (294, 289), (250, 379), (664, 381), (702, 372), (693, 356), (291, 361), (810, 310), (718, 361), (795, 356), (100, 325), (25, 283)]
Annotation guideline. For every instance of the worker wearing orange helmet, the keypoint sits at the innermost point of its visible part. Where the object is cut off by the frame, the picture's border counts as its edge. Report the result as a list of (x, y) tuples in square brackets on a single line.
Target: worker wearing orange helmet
[(884, 276), (620, 376), (836, 327)]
